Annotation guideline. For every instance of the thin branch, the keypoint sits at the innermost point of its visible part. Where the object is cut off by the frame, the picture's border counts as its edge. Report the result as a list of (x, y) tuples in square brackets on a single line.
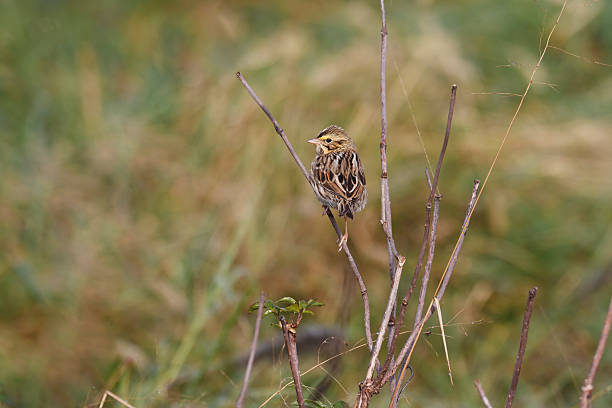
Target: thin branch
[(522, 345), (430, 255), (482, 394), (290, 334), (247, 373), (383, 325), (385, 199), (433, 222), (451, 111), (464, 228), (587, 388), (277, 127), (384, 180), (351, 261)]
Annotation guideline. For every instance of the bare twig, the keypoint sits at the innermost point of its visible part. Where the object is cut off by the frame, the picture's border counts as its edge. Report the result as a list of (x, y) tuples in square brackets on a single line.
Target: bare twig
[(587, 388), (432, 195), (482, 394), (430, 255), (290, 334), (449, 120), (522, 345), (453, 260), (277, 127), (247, 373), (384, 181), (351, 261)]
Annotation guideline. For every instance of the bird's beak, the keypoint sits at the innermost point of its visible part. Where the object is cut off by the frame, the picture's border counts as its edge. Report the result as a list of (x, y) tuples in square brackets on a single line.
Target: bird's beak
[(314, 141)]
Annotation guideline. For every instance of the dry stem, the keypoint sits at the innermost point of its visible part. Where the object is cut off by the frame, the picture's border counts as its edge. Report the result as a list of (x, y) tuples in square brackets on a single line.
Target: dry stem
[(587, 388), (408, 348), (430, 255), (522, 345), (289, 335), (247, 373), (482, 394)]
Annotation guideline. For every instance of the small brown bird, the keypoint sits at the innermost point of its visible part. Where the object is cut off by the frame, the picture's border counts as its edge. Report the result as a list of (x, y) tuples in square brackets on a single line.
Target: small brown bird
[(337, 176)]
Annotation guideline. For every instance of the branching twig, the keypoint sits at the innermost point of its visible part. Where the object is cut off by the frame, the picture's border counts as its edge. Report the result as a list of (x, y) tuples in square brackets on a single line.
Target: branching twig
[(482, 394), (247, 373), (351, 261), (289, 334), (522, 345), (411, 342), (384, 181), (587, 388), (400, 320), (432, 195), (385, 199)]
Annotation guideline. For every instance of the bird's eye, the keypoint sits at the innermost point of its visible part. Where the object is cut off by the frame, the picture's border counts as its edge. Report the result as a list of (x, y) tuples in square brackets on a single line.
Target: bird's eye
[(328, 140)]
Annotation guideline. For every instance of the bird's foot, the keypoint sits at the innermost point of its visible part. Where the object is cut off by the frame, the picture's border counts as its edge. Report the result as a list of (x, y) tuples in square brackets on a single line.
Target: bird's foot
[(325, 208)]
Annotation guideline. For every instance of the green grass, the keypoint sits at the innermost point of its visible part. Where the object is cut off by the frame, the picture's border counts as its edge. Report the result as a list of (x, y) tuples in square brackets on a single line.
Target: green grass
[(145, 199)]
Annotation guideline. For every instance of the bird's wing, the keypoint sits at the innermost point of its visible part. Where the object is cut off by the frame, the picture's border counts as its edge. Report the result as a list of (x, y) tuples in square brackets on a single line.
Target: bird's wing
[(341, 174)]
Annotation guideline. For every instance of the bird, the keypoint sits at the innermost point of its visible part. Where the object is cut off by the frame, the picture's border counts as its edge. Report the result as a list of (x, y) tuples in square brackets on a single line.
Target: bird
[(337, 175)]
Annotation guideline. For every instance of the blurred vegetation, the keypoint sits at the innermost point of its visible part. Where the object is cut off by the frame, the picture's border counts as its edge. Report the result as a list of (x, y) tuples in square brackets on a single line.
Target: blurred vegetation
[(145, 200)]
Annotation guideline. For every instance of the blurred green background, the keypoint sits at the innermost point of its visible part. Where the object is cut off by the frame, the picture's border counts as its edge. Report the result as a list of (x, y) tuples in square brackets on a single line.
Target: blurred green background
[(145, 199)]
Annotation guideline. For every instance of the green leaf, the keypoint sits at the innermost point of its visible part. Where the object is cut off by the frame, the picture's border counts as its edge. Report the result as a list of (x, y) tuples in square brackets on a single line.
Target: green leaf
[(340, 404), (254, 307), (286, 299), (269, 304), (292, 308), (307, 312), (313, 302)]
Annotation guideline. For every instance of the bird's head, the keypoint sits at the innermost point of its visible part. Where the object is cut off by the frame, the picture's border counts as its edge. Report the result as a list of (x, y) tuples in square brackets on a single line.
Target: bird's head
[(332, 139)]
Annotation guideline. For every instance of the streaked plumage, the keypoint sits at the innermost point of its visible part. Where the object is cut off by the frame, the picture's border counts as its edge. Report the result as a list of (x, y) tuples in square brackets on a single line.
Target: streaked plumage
[(337, 174)]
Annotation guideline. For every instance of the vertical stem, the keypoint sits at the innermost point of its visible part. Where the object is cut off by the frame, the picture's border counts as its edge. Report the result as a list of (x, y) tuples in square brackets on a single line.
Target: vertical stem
[(482, 394), (522, 345), (587, 388), (289, 334), (430, 256), (247, 373)]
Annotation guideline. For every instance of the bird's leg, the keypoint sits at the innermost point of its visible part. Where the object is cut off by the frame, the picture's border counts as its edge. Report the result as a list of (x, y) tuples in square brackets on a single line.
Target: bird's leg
[(325, 208), (344, 237)]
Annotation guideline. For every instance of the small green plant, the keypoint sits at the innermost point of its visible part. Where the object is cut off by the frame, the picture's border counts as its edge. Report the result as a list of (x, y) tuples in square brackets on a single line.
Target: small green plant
[(293, 310)]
